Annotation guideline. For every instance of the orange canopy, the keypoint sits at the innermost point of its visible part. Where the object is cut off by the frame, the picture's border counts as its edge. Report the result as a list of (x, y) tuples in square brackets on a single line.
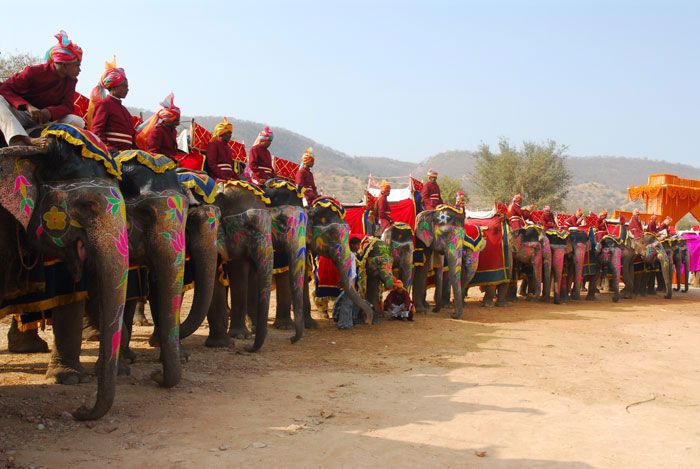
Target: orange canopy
[(669, 195)]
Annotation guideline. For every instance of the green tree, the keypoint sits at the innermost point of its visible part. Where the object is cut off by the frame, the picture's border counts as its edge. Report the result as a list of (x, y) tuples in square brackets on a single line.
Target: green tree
[(448, 189), (537, 171), (13, 63)]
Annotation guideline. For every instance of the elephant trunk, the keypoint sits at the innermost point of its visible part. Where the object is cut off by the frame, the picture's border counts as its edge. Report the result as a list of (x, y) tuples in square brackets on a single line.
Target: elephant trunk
[(678, 269), (107, 251), (341, 261), (438, 264), (262, 262), (546, 268), (558, 253), (537, 267), (406, 268), (616, 268), (201, 240), (454, 264), (579, 259), (666, 272), (297, 273)]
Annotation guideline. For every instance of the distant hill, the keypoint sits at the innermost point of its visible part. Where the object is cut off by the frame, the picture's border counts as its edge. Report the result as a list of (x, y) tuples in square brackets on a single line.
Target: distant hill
[(598, 181)]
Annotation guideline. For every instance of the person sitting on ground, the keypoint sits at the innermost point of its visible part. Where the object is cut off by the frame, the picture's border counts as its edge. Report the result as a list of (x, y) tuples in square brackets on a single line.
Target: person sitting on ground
[(635, 227), (305, 178), (158, 134), (40, 94), (430, 193), (398, 304), (651, 227), (383, 208), (219, 161), (576, 220), (260, 159), (549, 221), (111, 121)]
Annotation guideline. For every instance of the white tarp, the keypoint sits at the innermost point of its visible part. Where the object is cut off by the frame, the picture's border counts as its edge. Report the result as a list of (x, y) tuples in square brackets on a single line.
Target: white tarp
[(183, 141)]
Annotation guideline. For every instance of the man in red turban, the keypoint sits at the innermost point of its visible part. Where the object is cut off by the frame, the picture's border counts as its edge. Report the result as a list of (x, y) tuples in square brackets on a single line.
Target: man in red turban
[(576, 220), (158, 134), (635, 226), (305, 178), (651, 227), (430, 194), (516, 215), (219, 162), (549, 221), (111, 120), (383, 208), (260, 159), (42, 93)]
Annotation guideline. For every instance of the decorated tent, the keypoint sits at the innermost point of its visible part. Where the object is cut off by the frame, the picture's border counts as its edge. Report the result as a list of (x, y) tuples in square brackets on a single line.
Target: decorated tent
[(669, 195)]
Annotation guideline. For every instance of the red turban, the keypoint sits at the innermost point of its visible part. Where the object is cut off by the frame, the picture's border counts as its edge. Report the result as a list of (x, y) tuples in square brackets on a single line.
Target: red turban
[(308, 156)]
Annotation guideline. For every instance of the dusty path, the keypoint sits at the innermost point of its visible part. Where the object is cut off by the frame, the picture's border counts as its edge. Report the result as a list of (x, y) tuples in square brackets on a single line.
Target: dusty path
[(581, 385)]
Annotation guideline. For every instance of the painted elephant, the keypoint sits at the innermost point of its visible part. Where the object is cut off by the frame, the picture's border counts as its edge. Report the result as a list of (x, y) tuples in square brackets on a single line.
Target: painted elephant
[(581, 245), (328, 235), (532, 256), (157, 210), (69, 207), (245, 247), (473, 244), (399, 238), (652, 253), (375, 266), (681, 263), (608, 257), (441, 231), (562, 249)]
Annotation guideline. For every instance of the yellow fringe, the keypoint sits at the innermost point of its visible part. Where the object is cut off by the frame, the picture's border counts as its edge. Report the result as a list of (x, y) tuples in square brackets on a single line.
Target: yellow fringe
[(43, 305)]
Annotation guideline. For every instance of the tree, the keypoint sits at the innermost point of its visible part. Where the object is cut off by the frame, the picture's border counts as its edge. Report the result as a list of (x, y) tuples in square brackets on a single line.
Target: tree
[(13, 63), (537, 171), (448, 189)]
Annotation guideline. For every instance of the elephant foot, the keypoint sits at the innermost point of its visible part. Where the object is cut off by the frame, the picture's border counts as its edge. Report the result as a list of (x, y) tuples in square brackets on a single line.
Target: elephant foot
[(142, 321), (153, 340), (627, 296), (436, 309), (310, 323), (123, 368), (218, 342), (239, 333), (25, 342), (127, 355), (284, 324), (590, 297), (616, 298), (184, 355), (668, 297), (501, 304), (65, 374), (487, 304), (457, 315), (576, 296)]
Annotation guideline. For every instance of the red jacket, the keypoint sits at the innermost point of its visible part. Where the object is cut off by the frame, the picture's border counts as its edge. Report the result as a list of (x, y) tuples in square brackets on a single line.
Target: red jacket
[(430, 195), (163, 140), (517, 216), (42, 87), (111, 122), (260, 164), (305, 179), (602, 225), (574, 221), (220, 160), (548, 221), (384, 212), (398, 297), (652, 228), (635, 227)]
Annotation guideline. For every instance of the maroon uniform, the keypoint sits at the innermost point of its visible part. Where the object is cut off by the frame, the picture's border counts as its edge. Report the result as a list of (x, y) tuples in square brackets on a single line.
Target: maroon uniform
[(163, 140), (517, 216), (602, 225), (384, 213), (430, 195), (305, 179), (548, 221), (635, 227), (260, 164), (111, 122), (651, 227), (220, 160), (574, 221), (42, 87)]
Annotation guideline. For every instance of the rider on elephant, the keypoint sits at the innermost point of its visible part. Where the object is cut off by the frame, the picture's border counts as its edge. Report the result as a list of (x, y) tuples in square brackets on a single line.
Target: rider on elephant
[(430, 194), (40, 94), (664, 228), (601, 225), (549, 221), (516, 215), (398, 304), (635, 226), (111, 120), (305, 178), (383, 209), (651, 227), (219, 162), (460, 201), (157, 134), (576, 220), (260, 159)]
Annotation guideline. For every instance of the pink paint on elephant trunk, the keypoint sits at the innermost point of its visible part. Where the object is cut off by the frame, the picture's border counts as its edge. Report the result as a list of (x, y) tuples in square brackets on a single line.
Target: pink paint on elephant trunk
[(579, 259), (558, 268), (80, 250)]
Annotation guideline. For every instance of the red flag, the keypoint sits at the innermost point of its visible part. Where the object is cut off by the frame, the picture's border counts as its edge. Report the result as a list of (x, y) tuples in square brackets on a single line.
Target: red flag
[(80, 105), (416, 185), (238, 151), (284, 168), (200, 137)]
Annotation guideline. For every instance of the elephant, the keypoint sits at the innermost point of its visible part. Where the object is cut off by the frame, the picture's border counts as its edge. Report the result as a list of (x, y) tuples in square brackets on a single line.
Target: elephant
[(652, 253), (581, 245), (64, 205), (246, 250), (442, 232), (531, 252), (473, 244), (608, 256), (681, 262), (375, 265), (399, 238), (562, 250), (157, 211)]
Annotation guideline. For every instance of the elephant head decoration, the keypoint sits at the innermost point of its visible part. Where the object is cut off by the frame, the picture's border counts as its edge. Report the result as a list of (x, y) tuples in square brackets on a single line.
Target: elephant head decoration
[(399, 238)]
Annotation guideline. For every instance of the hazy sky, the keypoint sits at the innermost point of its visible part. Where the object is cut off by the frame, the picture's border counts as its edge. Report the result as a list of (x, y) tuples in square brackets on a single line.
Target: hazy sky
[(403, 79)]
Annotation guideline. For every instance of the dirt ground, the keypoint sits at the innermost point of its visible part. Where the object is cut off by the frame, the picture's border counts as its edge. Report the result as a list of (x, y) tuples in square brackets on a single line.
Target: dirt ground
[(588, 384)]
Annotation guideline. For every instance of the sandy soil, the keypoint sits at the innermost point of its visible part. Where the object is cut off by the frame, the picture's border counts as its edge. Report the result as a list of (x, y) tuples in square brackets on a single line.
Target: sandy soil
[(580, 385)]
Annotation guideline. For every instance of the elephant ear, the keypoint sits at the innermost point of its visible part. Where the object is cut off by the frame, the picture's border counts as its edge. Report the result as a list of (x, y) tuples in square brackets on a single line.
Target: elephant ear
[(18, 187), (425, 227)]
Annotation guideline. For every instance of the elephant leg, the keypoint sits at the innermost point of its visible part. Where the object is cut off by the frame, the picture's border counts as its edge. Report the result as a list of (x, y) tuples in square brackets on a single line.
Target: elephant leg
[(439, 277), (64, 364), (239, 300), (489, 295), (140, 318), (557, 274), (502, 298), (446, 290), (592, 281), (25, 342), (454, 261), (419, 285), (217, 317), (283, 317), (126, 355)]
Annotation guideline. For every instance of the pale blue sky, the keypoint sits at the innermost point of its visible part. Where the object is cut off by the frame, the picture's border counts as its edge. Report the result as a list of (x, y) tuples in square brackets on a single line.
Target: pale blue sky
[(403, 79)]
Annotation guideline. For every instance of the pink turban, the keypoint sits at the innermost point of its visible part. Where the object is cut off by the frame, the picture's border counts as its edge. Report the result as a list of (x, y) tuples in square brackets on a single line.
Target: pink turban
[(65, 51)]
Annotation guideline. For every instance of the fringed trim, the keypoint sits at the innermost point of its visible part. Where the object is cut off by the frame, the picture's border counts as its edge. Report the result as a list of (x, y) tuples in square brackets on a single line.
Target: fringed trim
[(90, 146), (458, 211), (334, 205), (249, 187), (43, 305), (154, 161), (284, 184)]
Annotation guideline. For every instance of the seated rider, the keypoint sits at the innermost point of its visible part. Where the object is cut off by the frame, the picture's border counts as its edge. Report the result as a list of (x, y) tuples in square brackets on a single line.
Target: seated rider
[(111, 120), (260, 159), (383, 208), (305, 178), (430, 193), (651, 227), (41, 94), (549, 221), (576, 220), (516, 215), (219, 161), (664, 228), (601, 225), (158, 134), (635, 225), (460, 200), (398, 304)]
